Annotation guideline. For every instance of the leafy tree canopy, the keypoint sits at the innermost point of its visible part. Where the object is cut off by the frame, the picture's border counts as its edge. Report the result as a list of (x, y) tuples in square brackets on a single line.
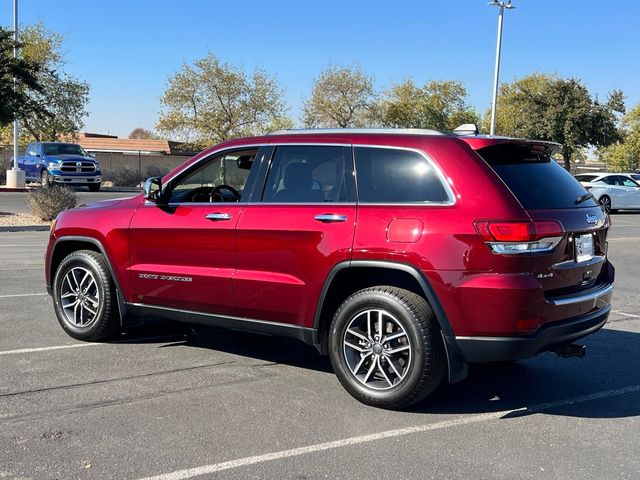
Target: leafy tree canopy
[(63, 96), (212, 101), (624, 156), (341, 97), (561, 110), (16, 100), (439, 105), (140, 133)]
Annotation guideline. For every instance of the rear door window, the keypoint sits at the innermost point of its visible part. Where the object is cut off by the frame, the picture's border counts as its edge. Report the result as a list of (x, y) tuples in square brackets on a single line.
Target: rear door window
[(389, 175), (536, 180), (586, 178), (310, 174)]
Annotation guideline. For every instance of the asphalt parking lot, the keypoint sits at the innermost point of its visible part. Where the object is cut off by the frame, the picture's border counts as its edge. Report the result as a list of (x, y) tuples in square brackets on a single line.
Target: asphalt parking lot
[(164, 401)]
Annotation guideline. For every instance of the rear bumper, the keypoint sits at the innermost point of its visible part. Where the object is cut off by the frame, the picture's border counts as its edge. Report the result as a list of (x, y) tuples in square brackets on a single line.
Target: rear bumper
[(496, 349)]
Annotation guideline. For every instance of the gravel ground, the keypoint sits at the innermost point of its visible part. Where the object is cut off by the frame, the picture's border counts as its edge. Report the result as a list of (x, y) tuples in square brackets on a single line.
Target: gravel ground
[(19, 219)]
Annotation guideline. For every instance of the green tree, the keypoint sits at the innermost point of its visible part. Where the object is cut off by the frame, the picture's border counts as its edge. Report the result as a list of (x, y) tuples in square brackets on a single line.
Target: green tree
[(212, 101), (63, 96), (624, 156), (16, 100), (140, 133), (560, 110), (341, 97), (438, 104)]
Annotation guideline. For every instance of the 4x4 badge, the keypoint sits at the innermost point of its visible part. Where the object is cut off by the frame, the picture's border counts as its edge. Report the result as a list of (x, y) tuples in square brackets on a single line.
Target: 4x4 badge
[(591, 219)]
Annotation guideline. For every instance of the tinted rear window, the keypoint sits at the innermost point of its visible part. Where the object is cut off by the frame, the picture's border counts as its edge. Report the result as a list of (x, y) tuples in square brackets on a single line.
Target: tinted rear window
[(536, 180)]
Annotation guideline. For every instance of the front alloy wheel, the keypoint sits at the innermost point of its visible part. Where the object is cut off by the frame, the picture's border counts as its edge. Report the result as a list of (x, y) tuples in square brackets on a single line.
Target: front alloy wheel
[(84, 296), (605, 201), (385, 347), (79, 297)]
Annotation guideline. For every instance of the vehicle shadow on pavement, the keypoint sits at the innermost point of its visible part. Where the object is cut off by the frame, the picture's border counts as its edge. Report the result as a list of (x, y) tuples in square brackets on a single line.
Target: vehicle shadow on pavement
[(262, 347), (553, 385), (611, 364)]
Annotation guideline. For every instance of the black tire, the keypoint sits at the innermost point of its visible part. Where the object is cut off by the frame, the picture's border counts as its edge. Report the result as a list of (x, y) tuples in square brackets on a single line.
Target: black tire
[(422, 369), (605, 201), (94, 187), (44, 179), (101, 318)]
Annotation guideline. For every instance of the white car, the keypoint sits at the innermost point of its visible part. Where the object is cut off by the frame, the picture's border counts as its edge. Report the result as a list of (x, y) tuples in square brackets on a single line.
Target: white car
[(614, 191), (635, 176)]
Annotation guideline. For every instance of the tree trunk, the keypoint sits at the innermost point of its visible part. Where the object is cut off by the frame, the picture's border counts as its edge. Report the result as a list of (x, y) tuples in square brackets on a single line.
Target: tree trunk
[(566, 154)]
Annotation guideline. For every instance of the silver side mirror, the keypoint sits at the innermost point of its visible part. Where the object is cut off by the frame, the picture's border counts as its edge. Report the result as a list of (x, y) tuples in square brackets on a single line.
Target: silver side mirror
[(153, 189)]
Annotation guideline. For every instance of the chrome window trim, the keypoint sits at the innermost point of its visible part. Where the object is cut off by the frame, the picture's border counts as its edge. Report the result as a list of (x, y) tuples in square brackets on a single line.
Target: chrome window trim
[(444, 180), (214, 153)]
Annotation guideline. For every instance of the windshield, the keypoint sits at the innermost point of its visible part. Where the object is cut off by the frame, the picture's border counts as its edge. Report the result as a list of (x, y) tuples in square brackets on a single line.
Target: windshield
[(536, 180), (64, 149)]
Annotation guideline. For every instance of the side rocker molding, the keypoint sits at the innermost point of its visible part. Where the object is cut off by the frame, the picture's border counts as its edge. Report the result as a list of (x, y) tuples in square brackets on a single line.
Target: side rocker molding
[(126, 318), (458, 369)]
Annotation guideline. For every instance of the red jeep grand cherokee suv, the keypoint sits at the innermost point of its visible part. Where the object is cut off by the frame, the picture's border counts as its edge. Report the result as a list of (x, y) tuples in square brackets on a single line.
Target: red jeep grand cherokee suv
[(403, 254)]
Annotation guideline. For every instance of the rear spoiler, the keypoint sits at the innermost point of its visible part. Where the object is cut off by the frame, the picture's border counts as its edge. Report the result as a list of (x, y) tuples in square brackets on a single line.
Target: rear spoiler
[(479, 142)]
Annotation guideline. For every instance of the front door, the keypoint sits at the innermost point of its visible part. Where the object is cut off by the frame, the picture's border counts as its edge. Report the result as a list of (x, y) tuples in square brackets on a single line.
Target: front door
[(290, 238), (182, 249)]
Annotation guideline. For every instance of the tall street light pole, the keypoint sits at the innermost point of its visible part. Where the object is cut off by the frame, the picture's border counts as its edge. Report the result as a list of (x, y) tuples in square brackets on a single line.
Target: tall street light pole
[(15, 176), (496, 74)]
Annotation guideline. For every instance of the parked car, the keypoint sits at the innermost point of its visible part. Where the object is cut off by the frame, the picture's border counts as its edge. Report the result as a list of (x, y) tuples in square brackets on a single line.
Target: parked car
[(614, 191), (404, 255), (635, 176), (60, 163)]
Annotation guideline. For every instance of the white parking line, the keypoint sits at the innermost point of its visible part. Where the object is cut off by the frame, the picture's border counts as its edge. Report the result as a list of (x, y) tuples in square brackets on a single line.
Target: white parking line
[(124, 341), (24, 295), (44, 349), (294, 452), (625, 314)]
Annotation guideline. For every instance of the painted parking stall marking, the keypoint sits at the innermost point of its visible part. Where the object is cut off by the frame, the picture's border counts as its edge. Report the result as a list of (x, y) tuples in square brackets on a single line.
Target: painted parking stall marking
[(346, 442)]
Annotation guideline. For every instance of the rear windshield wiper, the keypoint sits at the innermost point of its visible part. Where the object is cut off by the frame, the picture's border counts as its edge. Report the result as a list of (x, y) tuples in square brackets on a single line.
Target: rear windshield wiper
[(584, 197)]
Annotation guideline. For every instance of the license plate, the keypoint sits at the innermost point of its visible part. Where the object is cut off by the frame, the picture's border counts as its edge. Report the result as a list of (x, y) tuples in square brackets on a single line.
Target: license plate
[(584, 247)]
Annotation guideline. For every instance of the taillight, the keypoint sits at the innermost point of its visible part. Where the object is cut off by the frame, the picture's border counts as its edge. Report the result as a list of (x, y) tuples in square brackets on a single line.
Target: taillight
[(520, 236)]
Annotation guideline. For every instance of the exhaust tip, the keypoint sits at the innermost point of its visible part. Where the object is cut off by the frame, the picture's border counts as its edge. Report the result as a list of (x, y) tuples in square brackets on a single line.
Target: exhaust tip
[(573, 350)]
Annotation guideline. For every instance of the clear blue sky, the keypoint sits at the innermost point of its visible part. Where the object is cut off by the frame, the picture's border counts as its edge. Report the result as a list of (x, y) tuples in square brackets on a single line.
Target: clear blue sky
[(126, 50)]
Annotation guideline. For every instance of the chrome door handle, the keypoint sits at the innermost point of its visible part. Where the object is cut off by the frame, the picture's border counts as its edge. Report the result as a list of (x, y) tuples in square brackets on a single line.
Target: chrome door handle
[(330, 217), (216, 217)]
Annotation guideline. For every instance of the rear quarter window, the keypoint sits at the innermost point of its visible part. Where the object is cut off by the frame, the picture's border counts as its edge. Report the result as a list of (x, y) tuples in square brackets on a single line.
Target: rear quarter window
[(388, 175), (535, 179)]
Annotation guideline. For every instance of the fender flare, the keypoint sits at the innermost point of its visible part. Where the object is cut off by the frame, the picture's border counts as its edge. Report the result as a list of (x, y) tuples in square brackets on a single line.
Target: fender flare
[(125, 315), (458, 368)]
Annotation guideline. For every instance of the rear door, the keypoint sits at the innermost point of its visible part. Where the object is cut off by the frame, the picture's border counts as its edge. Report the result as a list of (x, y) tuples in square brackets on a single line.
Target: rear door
[(290, 238), (549, 193), (631, 192)]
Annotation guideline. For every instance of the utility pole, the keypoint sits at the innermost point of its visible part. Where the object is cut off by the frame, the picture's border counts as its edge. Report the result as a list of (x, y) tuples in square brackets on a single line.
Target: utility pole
[(496, 74), (15, 176)]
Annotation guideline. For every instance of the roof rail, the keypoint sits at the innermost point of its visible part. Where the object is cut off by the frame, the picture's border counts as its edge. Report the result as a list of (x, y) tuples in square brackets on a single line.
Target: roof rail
[(396, 131)]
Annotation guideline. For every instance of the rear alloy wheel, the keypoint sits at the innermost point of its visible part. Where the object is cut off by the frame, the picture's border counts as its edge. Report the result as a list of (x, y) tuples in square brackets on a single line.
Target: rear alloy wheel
[(44, 179), (385, 347), (84, 296), (605, 201)]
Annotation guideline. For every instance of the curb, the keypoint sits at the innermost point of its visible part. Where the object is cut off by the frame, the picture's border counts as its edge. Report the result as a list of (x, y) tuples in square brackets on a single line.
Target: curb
[(25, 228), (9, 190)]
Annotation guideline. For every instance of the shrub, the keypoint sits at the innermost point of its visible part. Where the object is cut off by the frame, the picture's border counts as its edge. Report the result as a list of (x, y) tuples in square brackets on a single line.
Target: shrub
[(47, 203), (3, 176), (154, 171), (124, 177)]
